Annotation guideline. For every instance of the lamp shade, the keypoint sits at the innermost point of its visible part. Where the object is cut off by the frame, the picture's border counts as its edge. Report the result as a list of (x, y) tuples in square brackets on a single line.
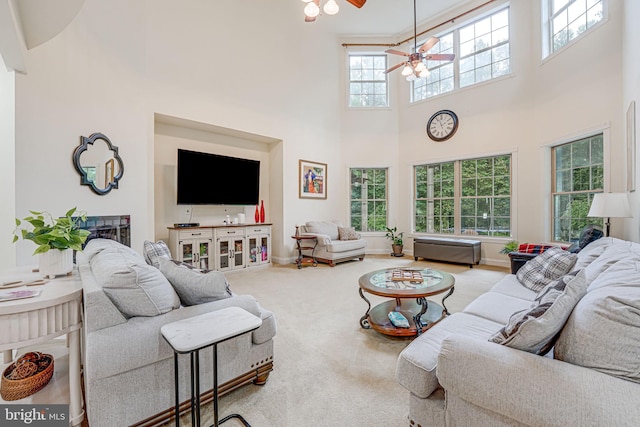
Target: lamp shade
[(610, 205)]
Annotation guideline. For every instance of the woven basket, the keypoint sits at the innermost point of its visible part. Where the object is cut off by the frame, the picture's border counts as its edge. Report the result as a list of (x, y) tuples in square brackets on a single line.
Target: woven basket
[(11, 389)]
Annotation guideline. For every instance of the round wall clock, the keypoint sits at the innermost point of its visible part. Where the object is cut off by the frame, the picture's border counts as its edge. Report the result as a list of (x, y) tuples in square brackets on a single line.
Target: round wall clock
[(442, 125)]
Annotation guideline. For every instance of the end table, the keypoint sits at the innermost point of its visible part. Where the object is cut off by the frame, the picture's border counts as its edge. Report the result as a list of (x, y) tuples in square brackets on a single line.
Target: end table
[(189, 336), (302, 259)]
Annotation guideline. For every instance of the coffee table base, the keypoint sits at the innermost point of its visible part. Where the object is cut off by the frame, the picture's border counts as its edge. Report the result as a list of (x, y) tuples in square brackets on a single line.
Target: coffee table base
[(378, 317)]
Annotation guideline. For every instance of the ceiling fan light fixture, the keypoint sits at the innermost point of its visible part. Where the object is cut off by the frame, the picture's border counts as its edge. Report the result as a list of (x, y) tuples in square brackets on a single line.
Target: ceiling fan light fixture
[(424, 73), (311, 10), (411, 77), (407, 70), (420, 67), (331, 7)]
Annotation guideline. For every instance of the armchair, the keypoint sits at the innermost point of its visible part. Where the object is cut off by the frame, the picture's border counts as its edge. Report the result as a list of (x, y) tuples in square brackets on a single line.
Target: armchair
[(335, 243)]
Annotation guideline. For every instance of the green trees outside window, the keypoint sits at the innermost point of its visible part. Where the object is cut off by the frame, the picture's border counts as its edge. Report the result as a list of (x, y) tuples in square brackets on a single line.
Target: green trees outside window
[(368, 199), (578, 174)]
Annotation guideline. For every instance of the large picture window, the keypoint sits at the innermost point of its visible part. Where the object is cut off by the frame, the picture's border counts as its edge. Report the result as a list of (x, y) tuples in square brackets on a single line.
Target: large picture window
[(471, 196), (568, 19), (368, 199), (578, 173), (367, 81)]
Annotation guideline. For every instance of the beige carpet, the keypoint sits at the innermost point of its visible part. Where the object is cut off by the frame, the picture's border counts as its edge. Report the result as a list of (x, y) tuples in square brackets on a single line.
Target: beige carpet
[(328, 371)]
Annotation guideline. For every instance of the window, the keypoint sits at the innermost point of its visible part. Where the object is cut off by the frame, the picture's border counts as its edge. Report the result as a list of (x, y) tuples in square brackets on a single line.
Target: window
[(485, 203), (482, 53), (434, 212), (368, 199), (367, 81), (470, 196), (568, 19), (578, 173), (484, 49), (440, 79)]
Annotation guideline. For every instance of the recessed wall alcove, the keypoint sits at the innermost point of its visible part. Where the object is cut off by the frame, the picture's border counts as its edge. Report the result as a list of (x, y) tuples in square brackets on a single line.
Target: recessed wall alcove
[(171, 133)]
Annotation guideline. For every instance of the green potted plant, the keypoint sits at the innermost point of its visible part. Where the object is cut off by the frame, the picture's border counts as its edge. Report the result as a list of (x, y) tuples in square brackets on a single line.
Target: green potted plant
[(397, 244), (56, 239), (510, 246)]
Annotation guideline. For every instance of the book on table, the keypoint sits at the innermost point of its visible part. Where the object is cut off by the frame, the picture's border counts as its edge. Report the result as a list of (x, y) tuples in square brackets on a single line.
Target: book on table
[(19, 294)]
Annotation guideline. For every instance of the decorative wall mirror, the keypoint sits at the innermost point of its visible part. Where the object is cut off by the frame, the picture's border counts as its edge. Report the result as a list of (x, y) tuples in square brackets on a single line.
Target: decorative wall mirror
[(98, 163)]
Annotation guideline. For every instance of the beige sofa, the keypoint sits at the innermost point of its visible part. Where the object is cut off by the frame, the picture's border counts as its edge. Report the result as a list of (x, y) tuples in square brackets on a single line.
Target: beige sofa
[(330, 249), (128, 366), (455, 376)]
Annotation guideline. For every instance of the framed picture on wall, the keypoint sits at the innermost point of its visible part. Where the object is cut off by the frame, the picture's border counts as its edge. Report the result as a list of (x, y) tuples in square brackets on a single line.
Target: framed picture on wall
[(631, 147), (312, 180)]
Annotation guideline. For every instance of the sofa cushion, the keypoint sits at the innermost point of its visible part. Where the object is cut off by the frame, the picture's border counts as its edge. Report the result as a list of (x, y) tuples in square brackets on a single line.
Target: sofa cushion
[(153, 251), (347, 233), (416, 368), (338, 246), (95, 246), (593, 250), (602, 332), (134, 287), (194, 287), (546, 267), (498, 307), (510, 285), (534, 329), (329, 228)]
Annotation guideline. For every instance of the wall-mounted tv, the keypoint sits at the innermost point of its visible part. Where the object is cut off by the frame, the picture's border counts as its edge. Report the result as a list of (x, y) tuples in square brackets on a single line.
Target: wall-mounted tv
[(211, 179)]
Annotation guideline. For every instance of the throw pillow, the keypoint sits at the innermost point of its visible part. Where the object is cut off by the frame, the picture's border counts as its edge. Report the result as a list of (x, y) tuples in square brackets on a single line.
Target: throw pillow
[(347, 233), (535, 329), (195, 287), (153, 251), (135, 288), (546, 267)]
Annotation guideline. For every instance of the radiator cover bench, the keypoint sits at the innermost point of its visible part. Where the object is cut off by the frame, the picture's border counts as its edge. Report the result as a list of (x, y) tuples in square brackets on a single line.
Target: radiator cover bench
[(463, 251)]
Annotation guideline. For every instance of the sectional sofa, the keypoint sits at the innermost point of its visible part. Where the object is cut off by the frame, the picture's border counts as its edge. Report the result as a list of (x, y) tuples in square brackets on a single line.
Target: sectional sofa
[(579, 366), (128, 366)]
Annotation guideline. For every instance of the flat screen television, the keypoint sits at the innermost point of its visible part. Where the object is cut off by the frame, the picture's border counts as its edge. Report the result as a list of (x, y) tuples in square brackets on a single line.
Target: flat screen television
[(211, 179)]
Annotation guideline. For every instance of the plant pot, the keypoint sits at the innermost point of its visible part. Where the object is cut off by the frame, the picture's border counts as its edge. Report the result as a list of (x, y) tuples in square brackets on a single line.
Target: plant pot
[(56, 262), (397, 250)]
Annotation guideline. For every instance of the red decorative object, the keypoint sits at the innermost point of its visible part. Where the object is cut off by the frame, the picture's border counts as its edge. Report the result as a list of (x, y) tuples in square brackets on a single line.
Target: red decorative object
[(257, 215), (261, 210)]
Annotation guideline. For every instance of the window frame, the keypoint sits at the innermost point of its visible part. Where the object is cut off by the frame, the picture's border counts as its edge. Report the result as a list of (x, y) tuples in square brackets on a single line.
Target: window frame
[(350, 169), (457, 205), (349, 81), (547, 17), (456, 50), (589, 192)]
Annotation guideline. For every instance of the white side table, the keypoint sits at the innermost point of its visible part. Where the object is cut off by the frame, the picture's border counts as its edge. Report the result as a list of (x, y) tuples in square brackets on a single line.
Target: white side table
[(55, 312), (189, 336)]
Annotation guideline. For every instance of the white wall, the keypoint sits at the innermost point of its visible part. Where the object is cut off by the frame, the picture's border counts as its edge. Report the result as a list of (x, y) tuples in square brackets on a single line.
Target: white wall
[(7, 166), (631, 92)]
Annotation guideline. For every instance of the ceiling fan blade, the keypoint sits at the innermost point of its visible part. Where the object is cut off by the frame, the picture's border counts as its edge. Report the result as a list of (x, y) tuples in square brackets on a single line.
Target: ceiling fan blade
[(428, 44), (396, 52), (357, 3), (440, 57), (395, 67)]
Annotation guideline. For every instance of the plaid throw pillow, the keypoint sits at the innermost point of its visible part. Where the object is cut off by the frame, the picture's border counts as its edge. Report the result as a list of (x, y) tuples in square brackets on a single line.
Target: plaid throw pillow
[(153, 251), (546, 267), (536, 329)]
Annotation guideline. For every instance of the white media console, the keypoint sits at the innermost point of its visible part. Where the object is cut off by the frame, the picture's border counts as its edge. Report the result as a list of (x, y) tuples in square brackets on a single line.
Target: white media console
[(222, 248)]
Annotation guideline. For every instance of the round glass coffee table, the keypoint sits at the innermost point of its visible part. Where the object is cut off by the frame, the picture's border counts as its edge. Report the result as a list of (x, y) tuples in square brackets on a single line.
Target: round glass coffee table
[(409, 288)]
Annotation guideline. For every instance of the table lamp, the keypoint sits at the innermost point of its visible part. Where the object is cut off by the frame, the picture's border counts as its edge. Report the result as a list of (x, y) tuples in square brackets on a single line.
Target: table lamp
[(610, 205)]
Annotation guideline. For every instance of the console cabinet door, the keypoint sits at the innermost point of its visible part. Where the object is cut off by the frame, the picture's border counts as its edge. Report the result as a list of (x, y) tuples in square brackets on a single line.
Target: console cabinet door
[(230, 248), (258, 246)]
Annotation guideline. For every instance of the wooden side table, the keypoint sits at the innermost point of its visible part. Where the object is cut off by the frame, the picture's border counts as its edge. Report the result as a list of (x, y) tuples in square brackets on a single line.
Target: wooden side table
[(35, 321), (312, 242), (189, 336)]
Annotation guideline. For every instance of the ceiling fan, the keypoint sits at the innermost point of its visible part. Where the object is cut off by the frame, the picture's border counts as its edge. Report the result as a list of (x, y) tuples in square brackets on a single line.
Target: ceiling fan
[(312, 9), (414, 67)]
